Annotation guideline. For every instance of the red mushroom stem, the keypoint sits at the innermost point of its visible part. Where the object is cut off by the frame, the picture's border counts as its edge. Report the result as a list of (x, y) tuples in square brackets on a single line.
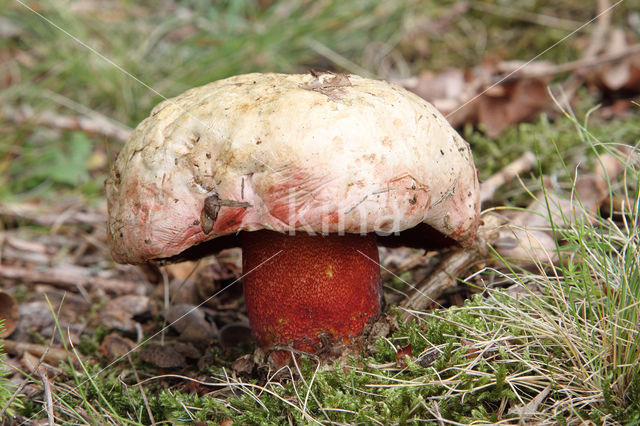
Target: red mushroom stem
[(317, 290)]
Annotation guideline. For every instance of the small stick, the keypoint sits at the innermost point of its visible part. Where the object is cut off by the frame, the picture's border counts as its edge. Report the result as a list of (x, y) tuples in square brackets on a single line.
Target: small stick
[(532, 407), (49, 354), (526, 16), (522, 164), (96, 124), (444, 277), (69, 279), (587, 62), (47, 396), (603, 23), (30, 213)]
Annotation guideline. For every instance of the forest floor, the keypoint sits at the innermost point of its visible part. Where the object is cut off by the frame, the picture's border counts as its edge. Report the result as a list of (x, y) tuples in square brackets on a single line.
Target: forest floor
[(536, 322)]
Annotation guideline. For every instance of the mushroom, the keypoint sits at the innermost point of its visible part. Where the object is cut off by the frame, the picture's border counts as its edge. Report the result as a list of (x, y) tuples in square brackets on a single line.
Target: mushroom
[(307, 173)]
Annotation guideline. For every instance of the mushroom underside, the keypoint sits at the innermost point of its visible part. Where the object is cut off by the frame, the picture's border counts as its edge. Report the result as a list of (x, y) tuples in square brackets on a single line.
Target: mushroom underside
[(422, 236)]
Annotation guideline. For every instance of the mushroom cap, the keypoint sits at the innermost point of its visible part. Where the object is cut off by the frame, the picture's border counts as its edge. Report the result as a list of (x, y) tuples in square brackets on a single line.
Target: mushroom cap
[(321, 153)]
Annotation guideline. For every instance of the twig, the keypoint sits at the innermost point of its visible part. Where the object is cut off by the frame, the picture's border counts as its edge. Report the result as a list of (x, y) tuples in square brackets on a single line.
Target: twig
[(531, 408), (337, 58), (47, 396), (69, 278), (26, 349), (37, 215), (49, 354), (601, 28), (526, 16), (520, 165), (569, 87), (586, 62), (94, 124), (444, 277)]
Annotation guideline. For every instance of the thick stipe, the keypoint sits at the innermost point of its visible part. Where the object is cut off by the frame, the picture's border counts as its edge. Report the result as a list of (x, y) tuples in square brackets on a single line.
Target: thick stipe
[(317, 290)]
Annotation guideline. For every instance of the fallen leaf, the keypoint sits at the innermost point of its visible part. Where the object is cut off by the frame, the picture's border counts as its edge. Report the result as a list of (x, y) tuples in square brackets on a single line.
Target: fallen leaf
[(518, 101), (499, 93), (528, 237), (8, 314), (163, 356), (472, 97), (115, 346), (121, 313), (244, 365), (189, 321), (448, 84), (330, 87), (232, 335), (402, 354), (188, 350), (183, 270)]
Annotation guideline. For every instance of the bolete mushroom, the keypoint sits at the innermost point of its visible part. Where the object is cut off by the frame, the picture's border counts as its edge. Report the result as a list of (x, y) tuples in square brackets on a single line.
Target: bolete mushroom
[(307, 173)]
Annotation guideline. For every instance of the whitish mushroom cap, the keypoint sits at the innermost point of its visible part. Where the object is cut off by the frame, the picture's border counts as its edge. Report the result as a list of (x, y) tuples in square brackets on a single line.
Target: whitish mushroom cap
[(328, 153)]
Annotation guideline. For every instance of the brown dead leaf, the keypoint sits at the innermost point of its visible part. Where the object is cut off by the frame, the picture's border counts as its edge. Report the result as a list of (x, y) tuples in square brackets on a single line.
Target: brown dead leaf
[(121, 313), (402, 354), (190, 322), (622, 108), (618, 66), (115, 346), (448, 84), (163, 356), (499, 93), (528, 236), (471, 351), (244, 365), (183, 270), (214, 278), (330, 87), (513, 103), (8, 313), (188, 350), (472, 98), (232, 335)]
